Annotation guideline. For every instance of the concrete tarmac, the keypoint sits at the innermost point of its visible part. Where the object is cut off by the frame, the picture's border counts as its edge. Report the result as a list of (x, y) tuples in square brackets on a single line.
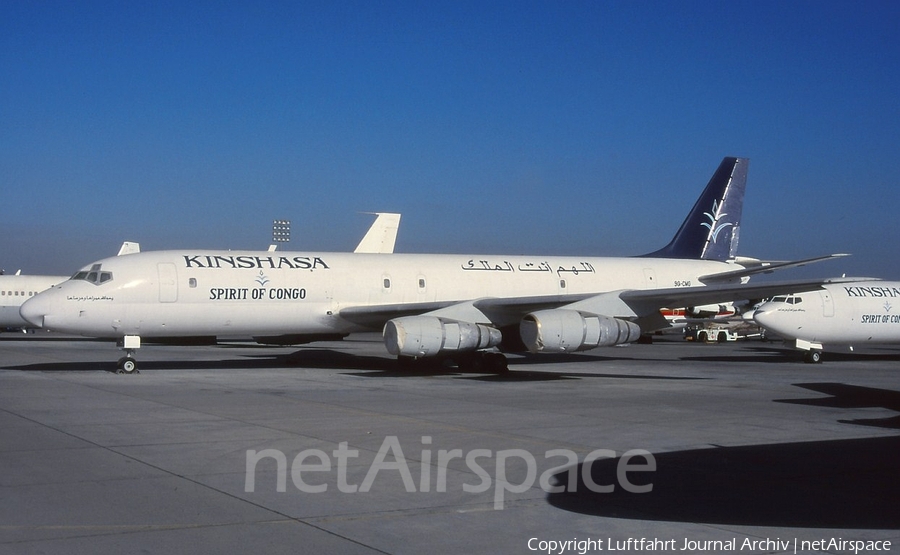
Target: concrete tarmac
[(330, 448)]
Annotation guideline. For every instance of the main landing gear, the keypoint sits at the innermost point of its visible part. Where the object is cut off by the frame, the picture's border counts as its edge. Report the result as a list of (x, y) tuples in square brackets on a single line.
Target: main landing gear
[(481, 361), (477, 362), (127, 364)]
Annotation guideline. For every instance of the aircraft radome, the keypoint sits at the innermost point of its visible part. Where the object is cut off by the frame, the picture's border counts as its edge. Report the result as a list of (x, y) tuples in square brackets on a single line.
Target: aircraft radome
[(460, 306), (843, 313)]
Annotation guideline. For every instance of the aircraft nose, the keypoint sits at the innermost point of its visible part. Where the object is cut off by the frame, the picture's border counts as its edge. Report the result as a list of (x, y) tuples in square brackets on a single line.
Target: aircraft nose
[(34, 309), (749, 316), (763, 317)]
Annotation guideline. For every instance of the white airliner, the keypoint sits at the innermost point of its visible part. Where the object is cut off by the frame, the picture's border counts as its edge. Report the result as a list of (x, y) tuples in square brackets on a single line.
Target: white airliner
[(427, 305), (845, 314), (15, 290)]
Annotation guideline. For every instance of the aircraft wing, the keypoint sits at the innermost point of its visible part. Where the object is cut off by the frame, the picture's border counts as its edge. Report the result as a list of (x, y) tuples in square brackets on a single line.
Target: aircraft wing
[(376, 315), (628, 304), (498, 311)]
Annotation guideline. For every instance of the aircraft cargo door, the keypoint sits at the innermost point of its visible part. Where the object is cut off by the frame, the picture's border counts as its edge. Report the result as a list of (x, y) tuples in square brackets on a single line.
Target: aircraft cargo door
[(168, 283)]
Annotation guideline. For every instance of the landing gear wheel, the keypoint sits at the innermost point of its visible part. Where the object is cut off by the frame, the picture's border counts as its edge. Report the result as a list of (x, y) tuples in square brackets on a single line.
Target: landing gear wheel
[(492, 363), (470, 362), (127, 365), (425, 364), (812, 357), (496, 362)]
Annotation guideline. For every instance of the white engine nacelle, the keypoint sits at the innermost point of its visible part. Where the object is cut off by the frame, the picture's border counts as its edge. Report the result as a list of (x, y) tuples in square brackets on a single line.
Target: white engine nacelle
[(428, 336), (563, 331)]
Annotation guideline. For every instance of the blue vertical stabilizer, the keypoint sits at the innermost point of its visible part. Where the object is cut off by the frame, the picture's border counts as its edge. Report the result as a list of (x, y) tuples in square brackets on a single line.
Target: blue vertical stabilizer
[(712, 229)]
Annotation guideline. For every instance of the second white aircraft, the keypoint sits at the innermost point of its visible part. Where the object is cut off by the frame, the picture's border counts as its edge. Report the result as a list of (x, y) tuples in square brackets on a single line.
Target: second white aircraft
[(840, 315)]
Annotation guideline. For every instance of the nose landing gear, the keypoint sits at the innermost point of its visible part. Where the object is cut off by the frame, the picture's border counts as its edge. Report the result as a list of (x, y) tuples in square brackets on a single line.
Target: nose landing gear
[(812, 356), (127, 364)]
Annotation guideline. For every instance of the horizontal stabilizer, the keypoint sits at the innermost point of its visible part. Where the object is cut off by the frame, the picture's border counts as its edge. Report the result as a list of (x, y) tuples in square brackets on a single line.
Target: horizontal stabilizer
[(766, 268), (692, 296)]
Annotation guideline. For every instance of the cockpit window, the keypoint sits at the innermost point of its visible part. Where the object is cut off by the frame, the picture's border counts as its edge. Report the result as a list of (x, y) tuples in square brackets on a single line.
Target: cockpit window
[(790, 299), (94, 275)]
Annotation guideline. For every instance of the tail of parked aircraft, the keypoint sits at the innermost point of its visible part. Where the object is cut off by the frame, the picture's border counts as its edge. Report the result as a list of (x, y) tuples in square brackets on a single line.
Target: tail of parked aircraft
[(712, 229)]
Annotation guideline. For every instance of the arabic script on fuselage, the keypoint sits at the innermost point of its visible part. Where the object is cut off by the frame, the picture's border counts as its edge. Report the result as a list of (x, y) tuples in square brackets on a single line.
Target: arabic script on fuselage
[(506, 266)]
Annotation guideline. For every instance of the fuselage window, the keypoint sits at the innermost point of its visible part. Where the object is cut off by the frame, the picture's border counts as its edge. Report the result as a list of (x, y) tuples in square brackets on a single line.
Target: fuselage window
[(192, 282), (562, 284)]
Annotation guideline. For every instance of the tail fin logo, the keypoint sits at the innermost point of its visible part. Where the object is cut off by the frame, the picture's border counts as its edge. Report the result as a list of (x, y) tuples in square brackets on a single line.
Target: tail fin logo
[(714, 219)]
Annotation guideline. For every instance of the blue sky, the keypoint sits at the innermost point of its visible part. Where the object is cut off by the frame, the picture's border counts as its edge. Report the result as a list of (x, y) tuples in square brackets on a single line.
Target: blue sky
[(505, 127)]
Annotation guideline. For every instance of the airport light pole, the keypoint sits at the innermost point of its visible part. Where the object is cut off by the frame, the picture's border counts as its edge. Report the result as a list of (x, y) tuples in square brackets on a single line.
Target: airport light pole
[(281, 231)]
